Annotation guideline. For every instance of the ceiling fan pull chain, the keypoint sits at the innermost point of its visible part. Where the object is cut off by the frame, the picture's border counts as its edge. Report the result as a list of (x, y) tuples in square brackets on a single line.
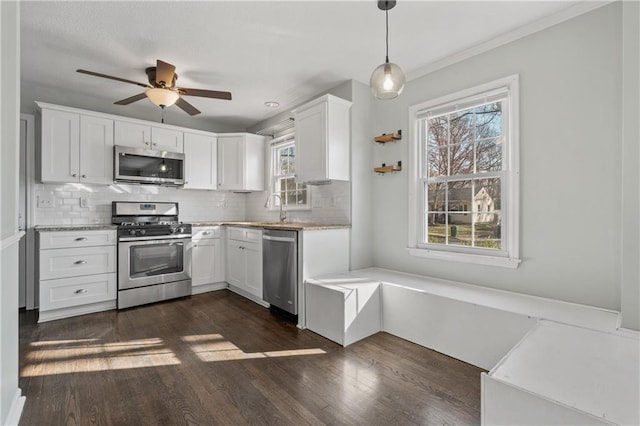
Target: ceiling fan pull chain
[(163, 108)]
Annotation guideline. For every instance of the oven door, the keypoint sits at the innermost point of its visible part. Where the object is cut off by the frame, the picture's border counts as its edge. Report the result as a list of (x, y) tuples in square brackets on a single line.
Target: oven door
[(143, 263)]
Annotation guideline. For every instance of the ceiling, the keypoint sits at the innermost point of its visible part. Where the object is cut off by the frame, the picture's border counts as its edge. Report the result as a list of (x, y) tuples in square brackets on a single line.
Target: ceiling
[(260, 51)]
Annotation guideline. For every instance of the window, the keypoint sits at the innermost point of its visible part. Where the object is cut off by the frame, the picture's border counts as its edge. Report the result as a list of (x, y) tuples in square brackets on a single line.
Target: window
[(292, 195), (466, 155)]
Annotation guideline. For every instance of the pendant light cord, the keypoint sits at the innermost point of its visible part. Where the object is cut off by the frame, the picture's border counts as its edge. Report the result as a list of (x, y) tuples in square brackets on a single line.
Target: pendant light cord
[(386, 14)]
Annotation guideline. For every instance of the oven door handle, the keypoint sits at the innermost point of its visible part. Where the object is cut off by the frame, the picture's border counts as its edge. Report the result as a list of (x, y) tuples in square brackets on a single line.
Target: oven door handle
[(157, 237)]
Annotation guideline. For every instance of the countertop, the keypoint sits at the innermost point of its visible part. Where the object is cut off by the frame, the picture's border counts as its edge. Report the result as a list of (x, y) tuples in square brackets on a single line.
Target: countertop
[(295, 226), (54, 228)]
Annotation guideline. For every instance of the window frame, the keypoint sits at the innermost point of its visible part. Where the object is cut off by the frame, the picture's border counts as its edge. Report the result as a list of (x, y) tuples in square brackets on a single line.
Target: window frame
[(277, 143), (508, 256)]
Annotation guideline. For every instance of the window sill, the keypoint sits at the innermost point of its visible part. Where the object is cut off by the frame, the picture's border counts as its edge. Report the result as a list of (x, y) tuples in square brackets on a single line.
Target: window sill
[(291, 209), (477, 259)]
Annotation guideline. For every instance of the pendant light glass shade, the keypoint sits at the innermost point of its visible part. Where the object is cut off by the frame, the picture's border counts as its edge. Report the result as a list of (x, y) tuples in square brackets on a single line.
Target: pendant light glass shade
[(162, 97), (387, 81)]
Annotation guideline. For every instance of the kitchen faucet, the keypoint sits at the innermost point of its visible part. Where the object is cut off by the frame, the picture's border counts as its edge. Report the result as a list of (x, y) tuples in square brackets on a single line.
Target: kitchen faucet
[(283, 215)]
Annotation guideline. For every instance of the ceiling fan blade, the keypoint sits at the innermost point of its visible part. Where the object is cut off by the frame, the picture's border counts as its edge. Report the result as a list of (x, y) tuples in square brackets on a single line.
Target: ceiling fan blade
[(205, 93), (124, 80), (164, 73), (132, 99), (187, 107)]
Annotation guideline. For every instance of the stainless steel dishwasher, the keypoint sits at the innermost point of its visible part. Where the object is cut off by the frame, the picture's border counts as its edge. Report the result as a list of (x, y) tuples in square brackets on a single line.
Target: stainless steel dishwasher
[(280, 269)]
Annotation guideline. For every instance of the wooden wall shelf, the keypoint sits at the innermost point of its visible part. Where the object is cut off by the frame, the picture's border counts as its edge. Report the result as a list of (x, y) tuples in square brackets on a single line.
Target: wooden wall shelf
[(388, 137), (388, 169)]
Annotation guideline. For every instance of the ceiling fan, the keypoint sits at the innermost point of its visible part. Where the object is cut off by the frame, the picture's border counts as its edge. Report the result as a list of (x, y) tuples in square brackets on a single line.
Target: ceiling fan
[(162, 90)]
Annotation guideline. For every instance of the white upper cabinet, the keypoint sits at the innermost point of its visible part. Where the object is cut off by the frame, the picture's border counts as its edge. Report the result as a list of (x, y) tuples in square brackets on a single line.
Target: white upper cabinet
[(76, 148), (322, 140), (96, 150), (140, 135), (200, 161), (241, 162)]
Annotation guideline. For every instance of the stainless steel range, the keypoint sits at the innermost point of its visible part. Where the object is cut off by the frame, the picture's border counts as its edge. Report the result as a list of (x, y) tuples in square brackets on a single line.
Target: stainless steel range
[(154, 262)]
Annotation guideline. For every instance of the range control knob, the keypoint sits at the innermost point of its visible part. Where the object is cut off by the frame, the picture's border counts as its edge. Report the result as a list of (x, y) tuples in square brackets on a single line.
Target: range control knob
[(132, 232), (180, 230), (142, 232)]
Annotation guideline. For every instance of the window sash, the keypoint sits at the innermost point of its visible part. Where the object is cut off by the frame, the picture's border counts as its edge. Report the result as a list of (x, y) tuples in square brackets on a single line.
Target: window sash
[(422, 118), (277, 175)]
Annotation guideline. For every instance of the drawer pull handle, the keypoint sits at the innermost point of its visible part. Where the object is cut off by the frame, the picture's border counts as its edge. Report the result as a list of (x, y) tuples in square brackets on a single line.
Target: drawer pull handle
[(80, 262), (80, 291), (206, 233), (81, 239)]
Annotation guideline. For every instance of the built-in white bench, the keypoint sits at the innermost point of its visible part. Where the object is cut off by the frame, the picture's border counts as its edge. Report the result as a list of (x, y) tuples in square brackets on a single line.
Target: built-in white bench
[(565, 375), (475, 324), (539, 351)]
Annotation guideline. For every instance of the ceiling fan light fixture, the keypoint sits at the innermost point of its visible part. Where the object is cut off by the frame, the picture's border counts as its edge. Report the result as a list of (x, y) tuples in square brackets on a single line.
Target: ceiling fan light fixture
[(387, 80), (162, 97)]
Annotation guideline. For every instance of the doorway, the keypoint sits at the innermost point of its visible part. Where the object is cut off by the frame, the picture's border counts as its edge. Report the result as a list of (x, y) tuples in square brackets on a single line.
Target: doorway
[(26, 250)]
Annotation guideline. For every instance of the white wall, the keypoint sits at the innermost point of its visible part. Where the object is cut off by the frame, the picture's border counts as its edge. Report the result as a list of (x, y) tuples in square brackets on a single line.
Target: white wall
[(630, 162), (570, 109), (10, 403)]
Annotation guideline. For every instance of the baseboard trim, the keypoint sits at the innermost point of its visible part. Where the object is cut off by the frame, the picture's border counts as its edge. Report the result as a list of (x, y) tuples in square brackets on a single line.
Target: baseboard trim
[(198, 289), (16, 409)]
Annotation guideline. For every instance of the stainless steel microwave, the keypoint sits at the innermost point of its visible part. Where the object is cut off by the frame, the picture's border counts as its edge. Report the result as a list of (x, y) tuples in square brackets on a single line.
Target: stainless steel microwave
[(137, 165)]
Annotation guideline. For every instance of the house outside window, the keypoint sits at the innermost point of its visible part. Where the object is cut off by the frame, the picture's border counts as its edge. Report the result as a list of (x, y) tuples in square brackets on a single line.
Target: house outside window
[(466, 155), (294, 195)]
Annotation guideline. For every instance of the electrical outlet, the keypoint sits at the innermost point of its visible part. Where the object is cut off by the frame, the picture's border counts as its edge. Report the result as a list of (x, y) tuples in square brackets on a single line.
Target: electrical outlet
[(84, 202), (45, 200)]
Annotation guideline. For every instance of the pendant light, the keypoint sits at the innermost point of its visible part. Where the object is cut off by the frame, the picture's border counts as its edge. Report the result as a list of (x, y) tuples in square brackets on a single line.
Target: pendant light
[(387, 80)]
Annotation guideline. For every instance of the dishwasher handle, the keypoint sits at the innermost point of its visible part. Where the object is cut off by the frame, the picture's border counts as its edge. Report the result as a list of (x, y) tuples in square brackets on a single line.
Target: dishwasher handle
[(284, 239)]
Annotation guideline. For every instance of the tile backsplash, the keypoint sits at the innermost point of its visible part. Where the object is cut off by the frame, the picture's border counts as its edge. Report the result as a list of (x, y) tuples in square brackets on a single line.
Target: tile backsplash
[(78, 204)]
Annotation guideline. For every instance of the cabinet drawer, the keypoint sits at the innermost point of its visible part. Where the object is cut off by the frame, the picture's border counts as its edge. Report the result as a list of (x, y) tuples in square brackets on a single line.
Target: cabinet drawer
[(205, 232), (254, 236), (74, 262), (67, 292), (245, 234), (68, 239)]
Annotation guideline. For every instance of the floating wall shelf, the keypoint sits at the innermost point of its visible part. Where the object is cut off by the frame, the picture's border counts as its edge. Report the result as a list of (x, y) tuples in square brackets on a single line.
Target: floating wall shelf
[(387, 169), (388, 137)]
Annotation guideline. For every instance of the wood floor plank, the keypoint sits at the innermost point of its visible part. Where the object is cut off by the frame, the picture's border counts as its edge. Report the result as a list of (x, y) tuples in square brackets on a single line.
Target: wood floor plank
[(217, 358)]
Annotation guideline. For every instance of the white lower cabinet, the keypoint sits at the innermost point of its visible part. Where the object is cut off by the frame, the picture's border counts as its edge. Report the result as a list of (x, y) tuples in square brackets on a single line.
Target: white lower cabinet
[(207, 266), (244, 262), (76, 273)]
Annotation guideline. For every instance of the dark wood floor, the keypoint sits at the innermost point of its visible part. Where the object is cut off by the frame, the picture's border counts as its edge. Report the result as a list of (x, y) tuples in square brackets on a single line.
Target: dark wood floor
[(217, 358)]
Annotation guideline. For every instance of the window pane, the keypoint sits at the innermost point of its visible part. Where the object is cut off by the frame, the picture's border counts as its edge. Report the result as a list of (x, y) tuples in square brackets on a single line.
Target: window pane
[(489, 155), (459, 229), (489, 120), (459, 196), (461, 158), (436, 197), (461, 127), (435, 230), (437, 141), (487, 231), (488, 195)]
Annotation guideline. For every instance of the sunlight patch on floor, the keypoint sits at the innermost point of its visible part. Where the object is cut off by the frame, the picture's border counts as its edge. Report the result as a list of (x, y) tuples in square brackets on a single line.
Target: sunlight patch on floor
[(214, 347), (87, 355)]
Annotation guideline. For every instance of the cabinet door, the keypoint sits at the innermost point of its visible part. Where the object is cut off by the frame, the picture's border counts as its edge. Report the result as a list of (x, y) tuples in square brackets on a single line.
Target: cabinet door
[(167, 140), (218, 260), (132, 134), (236, 261), (254, 162), (203, 267), (96, 151), (311, 144), (230, 162), (200, 161), (60, 146), (253, 283)]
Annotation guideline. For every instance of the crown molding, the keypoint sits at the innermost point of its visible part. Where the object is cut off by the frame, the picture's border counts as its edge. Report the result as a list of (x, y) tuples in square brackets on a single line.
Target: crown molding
[(523, 31)]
